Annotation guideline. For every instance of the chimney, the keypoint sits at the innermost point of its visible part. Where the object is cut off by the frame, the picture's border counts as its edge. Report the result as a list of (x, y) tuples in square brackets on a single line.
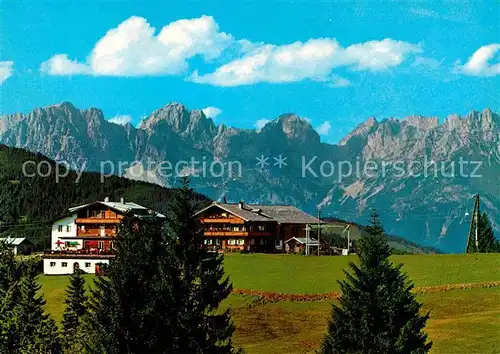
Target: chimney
[(106, 199), (122, 200), (240, 204)]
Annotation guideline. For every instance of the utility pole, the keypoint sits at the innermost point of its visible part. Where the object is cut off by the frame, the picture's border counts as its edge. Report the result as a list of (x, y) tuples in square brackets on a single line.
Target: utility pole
[(348, 229), (319, 227), (478, 218), (474, 226), (307, 239)]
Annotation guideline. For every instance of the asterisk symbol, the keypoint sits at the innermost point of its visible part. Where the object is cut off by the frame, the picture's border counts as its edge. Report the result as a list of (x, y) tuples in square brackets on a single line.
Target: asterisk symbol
[(262, 161), (280, 161)]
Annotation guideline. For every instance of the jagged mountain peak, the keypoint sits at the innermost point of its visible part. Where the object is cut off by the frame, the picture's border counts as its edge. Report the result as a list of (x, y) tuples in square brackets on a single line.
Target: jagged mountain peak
[(293, 126), (177, 117), (361, 130), (63, 105), (174, 133)]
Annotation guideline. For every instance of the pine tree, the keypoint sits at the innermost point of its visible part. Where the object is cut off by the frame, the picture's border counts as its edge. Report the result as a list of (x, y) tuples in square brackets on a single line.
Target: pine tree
[(10, 276), (37, 331), (487, 242), (161, 291), (377, 312), (199, 284), (128, 307), (76, 308)]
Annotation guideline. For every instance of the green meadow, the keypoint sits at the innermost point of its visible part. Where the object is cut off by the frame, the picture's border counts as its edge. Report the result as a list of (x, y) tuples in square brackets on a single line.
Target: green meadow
[(462, 320)]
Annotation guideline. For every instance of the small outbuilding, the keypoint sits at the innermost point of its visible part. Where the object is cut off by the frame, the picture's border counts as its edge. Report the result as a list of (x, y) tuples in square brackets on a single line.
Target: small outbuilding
[(19, 245), (296, 244)]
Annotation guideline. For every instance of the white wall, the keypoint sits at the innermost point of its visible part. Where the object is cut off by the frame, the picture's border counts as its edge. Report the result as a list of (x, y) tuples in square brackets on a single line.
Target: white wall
[(58, 269), (56, 235)]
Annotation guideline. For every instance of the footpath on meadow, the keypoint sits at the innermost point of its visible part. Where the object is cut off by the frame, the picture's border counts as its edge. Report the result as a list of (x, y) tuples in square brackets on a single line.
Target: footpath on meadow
[(276, 296)]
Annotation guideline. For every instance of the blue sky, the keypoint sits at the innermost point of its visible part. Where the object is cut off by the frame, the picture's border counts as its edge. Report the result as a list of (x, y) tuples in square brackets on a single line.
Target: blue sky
[(334, 63)]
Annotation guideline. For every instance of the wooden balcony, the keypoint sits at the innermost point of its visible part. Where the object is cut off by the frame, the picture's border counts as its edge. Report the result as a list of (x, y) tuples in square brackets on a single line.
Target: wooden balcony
[(98, 221), (95, 236), (78, 254), (222, 221), (238, 233)]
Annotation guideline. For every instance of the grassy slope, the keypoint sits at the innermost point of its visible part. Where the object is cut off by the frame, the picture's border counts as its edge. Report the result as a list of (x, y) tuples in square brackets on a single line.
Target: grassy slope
[(297, 274), (462, 321)]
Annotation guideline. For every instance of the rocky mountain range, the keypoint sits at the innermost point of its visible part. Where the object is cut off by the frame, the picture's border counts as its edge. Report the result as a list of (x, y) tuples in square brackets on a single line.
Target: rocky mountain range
[(420, 173)]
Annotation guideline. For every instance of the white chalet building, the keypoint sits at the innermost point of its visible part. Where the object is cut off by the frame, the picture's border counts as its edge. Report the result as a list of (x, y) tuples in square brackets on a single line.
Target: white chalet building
[(83, 238)]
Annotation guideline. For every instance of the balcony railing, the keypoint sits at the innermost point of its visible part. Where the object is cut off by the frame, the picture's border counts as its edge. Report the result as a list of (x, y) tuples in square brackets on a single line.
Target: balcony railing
[(79, 254), (222, 220), (98, 221), (95, 233), (237, 233)]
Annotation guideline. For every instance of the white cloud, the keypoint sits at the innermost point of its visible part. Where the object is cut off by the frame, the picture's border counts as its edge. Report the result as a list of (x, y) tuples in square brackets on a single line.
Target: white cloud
[(337, 81), (212, 112), (379, 55), (314, 59), (60, 64), (121, 119), (431, 63), (133, 49), (324, 128), (479, 63), (421, 12), (6, 69), (260, 124)]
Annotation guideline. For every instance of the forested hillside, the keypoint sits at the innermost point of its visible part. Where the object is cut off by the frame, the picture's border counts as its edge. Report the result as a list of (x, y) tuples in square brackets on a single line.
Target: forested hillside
[(28, 205)]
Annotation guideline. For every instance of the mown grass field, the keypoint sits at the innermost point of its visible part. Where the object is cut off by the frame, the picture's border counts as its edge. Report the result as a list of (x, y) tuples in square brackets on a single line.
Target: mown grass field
[(462, 321)]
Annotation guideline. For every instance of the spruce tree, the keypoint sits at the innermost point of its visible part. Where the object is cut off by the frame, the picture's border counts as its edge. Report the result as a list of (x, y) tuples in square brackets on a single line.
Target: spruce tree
[(487, 242), (36, 330), (127, 308), (10, 276), (76, 308), (162, 290), (377, 313), (199, 284)]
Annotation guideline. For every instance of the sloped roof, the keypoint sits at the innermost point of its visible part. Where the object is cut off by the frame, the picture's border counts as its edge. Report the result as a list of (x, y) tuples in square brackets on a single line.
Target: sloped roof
[(124, 207), (302, 240), (15, 241), (283, 214)]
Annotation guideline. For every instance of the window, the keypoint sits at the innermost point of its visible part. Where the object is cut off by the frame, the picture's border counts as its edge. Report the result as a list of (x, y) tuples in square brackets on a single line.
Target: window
[(209, 242), (68, 228), (87, 264), (52, 264), (217, 241), (64, 264), (241, 241), (262, 241), (277, 242), (96, 214), (261, 228), (100, 245), (231, 241), (59, 228)]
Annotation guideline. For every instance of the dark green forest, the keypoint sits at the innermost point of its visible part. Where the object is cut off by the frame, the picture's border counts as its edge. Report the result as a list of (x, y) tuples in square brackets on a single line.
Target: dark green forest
[(29, 205)]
